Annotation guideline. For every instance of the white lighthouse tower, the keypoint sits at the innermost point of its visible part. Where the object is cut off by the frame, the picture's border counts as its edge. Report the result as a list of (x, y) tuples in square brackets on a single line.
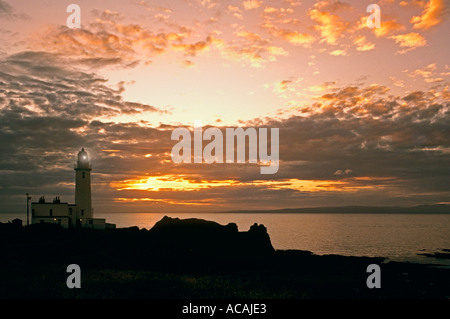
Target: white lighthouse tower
[(83, 199), (68, 215)]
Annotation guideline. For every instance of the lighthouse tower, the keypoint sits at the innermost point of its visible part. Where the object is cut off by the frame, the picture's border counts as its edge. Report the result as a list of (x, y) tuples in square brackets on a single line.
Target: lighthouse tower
[(83, 189)]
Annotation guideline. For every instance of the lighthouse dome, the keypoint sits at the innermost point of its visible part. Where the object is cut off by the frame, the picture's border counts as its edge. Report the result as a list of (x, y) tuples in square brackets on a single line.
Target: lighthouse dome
[(83, 155), (83, 159)]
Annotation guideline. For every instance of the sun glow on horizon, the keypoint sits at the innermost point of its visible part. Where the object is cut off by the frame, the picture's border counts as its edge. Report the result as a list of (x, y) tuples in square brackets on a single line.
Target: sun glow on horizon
[(187, 183)]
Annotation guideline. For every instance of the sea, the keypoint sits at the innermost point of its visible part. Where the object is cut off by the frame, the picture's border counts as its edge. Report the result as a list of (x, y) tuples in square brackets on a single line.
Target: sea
[(396, 237)]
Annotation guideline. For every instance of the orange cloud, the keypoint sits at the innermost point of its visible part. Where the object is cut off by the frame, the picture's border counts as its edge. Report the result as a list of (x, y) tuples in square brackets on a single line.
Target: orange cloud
[(251, 4), (329, 25), (362, 45), (235, 11), (107, 42), (431, 16), (297, 38), (193, 49), (410, 41), (429, 74), (338, 52), (293, 37), (170, 183), (360, 102), (183, 202), (252, 48), (387, 27), (321, 87)]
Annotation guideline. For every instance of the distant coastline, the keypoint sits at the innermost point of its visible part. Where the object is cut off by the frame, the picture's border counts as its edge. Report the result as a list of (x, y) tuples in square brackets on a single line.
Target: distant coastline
[(420, 209), (354, 209)]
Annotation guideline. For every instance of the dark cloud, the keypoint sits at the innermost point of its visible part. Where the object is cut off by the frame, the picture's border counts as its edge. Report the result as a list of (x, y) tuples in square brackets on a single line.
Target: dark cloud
[(38, 82), (5, 8), (8, 12)]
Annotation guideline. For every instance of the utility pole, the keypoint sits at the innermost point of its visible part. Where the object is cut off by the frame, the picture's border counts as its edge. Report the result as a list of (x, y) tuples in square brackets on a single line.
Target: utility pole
[(28, 208)]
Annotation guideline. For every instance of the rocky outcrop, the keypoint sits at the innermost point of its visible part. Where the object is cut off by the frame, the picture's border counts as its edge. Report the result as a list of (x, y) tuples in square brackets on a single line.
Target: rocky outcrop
[(200, 239), (172, 243)]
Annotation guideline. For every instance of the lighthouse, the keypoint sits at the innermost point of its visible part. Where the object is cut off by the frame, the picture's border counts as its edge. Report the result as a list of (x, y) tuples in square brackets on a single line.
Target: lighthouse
[(68, 215), (83, 199)]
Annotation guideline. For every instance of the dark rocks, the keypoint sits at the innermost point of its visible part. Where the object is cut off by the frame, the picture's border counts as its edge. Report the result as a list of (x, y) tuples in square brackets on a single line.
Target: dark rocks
[(193, 258), (200, 241)]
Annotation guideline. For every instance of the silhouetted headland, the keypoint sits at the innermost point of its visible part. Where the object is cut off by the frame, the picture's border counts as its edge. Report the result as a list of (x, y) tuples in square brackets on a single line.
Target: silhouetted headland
[(192, 258)]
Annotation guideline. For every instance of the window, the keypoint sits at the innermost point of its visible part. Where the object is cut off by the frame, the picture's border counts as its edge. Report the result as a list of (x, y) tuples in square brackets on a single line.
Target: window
[(32, 212), (82, 212), (51, 212), (70, 210), (82, 174)]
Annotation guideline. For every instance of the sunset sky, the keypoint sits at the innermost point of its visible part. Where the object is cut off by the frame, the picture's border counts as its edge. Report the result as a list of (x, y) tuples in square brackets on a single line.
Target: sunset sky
[(363, 113)]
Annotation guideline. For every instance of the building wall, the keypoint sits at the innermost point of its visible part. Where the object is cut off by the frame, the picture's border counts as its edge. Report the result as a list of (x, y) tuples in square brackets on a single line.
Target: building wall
[(63, 214), (96, 223), (50, 209)]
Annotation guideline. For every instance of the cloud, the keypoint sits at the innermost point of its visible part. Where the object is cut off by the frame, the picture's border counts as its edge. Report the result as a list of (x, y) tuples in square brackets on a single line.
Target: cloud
[(387, 27), (207, 3), (158, 11), (278, 24), (235, 11), (432, 15), (39, 84), (340, 172), (282, 86), (5, 8), (321, 87), (332, 5), (251, 4), (8, 12), (429, 73), (330, 26), (103, 47), (409, 41), (109, 41), (194, 48), (338, 52), (362, 44), (251, 49), (296, 38)]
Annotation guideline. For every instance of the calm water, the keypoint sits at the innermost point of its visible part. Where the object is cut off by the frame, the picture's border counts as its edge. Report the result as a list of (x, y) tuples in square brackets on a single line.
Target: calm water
[(395, 236)]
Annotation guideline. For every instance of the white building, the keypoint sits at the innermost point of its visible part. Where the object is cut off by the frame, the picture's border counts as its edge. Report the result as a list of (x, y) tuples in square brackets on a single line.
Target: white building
[(68, 215)]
